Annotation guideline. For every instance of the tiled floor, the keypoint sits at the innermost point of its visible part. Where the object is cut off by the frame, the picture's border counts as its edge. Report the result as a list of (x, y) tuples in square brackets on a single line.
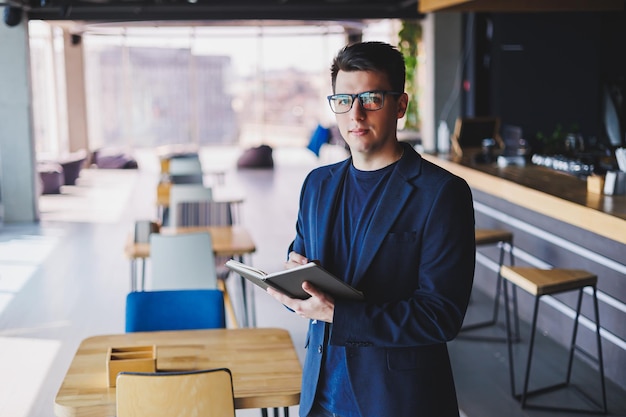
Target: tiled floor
[(66, 279)]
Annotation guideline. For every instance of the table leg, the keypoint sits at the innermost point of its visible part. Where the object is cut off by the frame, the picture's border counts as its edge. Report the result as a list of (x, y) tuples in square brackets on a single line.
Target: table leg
[(252, 308), (137, 284), (143, 275), (244, 302), (248, 306), (133, 275)]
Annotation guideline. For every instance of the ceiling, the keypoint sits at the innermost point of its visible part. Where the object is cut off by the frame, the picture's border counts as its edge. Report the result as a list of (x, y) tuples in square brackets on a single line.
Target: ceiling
[(142, 10), (427, 6)]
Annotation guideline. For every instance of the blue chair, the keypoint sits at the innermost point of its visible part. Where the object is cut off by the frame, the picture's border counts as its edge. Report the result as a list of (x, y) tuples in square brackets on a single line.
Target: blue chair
[(175, 310)]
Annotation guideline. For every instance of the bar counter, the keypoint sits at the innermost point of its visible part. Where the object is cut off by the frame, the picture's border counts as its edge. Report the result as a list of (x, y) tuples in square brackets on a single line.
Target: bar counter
[(555, 194), (555, 223)]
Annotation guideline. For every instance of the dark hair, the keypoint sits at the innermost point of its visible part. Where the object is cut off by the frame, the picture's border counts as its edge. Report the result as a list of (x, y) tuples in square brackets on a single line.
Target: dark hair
[(371, 56)]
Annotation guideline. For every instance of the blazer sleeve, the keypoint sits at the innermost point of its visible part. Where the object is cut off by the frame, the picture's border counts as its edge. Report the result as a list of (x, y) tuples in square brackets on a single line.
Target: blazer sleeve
[(298, 244)]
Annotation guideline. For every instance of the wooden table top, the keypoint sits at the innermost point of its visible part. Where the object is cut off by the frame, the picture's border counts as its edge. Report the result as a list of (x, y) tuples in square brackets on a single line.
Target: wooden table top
[(265, 367), (227, 240), (220, 194), (555, 194)]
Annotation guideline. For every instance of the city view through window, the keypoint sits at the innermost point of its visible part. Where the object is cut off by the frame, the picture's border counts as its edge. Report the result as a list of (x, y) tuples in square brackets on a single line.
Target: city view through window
[(148, 86)]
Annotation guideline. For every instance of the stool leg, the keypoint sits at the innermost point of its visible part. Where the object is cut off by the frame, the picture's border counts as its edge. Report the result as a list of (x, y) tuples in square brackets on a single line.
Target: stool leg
[(531, 346), (572, 347), (509, 341), (496, 304), (600, 358), (515, 309), (513, 291)]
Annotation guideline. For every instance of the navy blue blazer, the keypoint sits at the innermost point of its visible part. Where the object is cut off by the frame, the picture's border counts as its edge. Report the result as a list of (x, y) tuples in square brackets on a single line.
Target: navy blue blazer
[(416, 268)]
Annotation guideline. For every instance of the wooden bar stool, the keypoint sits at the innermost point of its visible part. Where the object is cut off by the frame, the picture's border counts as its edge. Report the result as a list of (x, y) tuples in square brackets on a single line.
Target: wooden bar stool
[(502, 238), (540, 282)]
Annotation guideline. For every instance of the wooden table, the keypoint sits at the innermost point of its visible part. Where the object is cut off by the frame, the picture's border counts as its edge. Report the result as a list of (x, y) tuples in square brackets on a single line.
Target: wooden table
[(232, 241), (220, 194), (227, 241), (263, 361)]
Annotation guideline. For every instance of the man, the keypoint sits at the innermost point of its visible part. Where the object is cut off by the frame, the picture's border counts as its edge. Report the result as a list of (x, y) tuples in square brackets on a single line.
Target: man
[(399, 229)]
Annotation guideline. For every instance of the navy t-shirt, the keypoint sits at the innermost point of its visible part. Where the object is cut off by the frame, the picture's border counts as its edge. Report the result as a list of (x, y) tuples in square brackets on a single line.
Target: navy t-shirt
[(353, 212)]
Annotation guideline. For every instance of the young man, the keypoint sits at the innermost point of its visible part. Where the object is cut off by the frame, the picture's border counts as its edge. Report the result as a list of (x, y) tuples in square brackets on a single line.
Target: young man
[(399, 229)]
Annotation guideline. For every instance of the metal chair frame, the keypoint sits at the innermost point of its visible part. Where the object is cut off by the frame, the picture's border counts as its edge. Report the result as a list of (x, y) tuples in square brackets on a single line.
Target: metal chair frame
[(502, 244)]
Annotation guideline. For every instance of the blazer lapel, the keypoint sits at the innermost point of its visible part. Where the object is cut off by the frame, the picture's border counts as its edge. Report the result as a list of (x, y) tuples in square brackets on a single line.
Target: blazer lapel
[(329, 189), (397, 192)]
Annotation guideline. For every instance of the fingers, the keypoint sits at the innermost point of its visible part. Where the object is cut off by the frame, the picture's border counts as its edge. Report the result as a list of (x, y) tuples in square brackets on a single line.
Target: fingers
[(312, 290), (316, 293), (320, 306), (296, 259)]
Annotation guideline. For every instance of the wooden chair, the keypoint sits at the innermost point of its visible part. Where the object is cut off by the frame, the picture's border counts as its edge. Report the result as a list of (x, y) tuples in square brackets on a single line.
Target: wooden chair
[(186, 193), (469, 133), (206, 393), (541, 282), (175, 310), (203, 213)]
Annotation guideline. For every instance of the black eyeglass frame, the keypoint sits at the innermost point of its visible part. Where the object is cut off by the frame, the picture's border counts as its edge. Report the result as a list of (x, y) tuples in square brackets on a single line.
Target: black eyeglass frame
[(358, 96)]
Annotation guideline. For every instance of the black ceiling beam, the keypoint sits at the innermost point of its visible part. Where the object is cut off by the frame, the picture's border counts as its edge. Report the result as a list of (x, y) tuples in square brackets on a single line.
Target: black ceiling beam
[(196, 11)]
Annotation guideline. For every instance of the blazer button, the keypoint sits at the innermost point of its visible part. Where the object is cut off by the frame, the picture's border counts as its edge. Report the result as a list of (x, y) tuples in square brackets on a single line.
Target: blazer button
[(319, 349)]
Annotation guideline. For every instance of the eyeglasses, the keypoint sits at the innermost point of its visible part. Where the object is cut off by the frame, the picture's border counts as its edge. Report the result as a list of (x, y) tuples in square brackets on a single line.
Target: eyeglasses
[(370, 101)]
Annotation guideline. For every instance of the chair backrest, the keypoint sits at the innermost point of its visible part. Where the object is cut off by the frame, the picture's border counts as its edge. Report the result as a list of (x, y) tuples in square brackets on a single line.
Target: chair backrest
[(182, 261), (206, 213), (148, 311), (185, 165), (186, 193), (206, 393), (186, 170), (203, 213), (469, 133)]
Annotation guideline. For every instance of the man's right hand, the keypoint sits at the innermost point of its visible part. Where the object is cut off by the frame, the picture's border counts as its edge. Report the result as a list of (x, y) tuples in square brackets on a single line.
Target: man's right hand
[(295, 259)]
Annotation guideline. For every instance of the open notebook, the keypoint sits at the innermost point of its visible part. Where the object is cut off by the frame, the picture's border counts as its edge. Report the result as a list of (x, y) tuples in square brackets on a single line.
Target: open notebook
[(289, 281)]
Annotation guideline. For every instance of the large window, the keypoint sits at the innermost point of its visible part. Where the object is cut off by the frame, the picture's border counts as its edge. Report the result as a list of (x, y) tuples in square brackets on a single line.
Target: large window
[(48, 86), (148, 86)]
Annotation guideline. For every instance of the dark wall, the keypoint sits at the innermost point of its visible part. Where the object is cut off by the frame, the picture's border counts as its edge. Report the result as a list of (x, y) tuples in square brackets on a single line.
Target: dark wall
[(537, 70)]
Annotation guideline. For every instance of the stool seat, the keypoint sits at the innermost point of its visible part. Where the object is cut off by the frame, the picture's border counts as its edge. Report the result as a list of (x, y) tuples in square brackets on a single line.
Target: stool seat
[(547, 281), (491, 236)]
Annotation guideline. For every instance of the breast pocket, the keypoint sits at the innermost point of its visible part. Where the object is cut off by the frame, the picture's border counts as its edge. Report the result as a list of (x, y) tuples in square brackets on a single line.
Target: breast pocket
[(401, 244), (401, 237)]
